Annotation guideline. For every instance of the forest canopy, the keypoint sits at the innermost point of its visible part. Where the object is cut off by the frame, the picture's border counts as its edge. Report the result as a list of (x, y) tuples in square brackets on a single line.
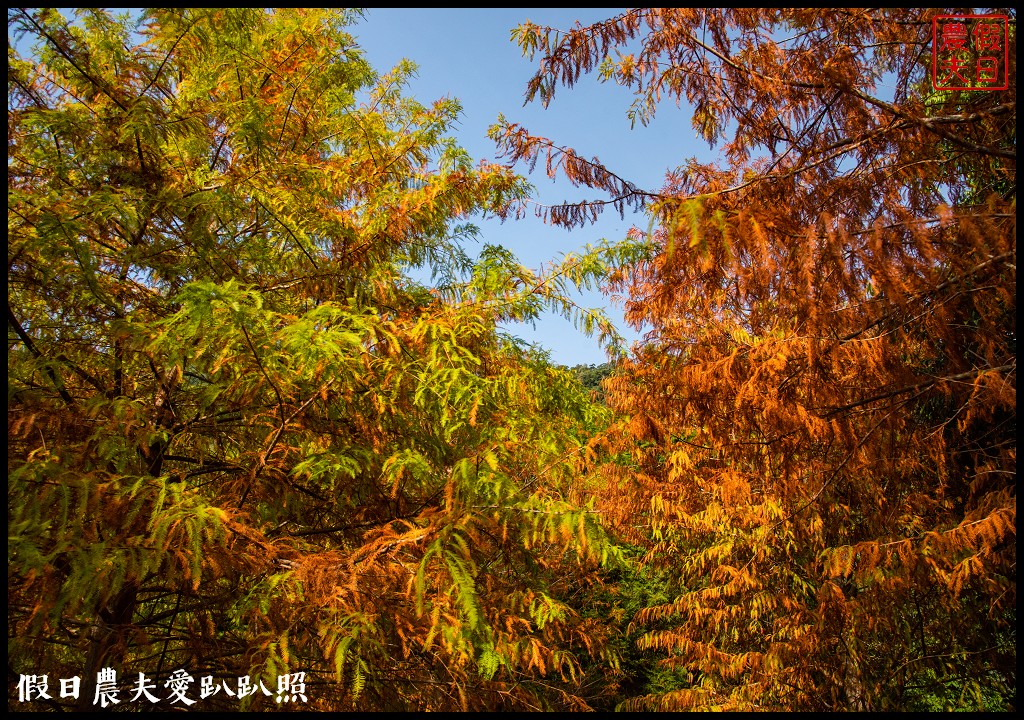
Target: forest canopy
[(821, 424), (245, 441)]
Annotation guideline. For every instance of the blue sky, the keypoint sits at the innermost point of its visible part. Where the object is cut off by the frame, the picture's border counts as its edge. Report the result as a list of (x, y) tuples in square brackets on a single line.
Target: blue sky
[(468, 54)]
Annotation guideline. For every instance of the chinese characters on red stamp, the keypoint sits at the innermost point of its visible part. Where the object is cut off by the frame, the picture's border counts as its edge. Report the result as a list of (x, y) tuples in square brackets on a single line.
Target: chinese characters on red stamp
[(970, 52)]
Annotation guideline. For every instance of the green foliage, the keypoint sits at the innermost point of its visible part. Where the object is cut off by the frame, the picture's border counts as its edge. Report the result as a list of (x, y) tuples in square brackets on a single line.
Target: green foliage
[(592, 376), (242, 439)]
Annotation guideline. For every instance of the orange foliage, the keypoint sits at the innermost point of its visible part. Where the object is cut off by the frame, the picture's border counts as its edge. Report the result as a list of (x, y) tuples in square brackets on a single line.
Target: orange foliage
[(821, 422)]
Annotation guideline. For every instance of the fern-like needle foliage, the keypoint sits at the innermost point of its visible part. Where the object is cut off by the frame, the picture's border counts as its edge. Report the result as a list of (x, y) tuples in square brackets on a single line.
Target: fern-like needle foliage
[(242, 439), (816, 441)]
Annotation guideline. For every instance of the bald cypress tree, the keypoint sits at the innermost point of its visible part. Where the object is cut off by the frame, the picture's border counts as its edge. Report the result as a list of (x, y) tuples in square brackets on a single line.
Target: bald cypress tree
[(243, 441), (818, 433)]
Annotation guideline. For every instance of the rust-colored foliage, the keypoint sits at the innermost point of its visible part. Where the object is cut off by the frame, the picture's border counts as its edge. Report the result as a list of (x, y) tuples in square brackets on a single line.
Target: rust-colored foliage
[(820, 426)]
